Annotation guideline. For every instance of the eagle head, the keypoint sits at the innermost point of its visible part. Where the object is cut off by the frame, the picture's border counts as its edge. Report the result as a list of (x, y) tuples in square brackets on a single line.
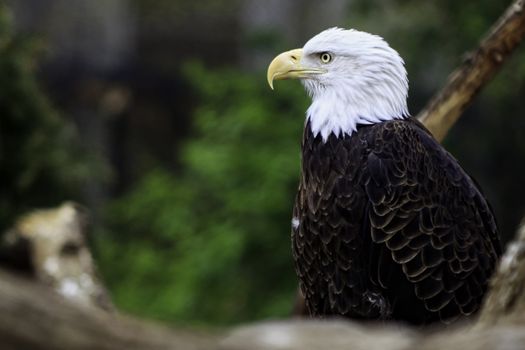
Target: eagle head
[(353, 78)]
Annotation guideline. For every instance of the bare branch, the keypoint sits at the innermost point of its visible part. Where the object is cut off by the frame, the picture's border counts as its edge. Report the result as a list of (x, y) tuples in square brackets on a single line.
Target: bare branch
[(466, 82)]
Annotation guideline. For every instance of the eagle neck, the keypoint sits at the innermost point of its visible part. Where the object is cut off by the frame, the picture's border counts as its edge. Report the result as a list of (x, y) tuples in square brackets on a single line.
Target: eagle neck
[(340, 111)]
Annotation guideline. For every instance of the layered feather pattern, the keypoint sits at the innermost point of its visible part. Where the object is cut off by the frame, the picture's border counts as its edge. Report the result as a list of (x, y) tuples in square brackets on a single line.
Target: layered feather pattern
[(389, 226)]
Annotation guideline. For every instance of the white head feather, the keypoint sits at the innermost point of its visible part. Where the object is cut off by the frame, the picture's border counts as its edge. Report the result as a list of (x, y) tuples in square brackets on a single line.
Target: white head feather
[(365, 81)]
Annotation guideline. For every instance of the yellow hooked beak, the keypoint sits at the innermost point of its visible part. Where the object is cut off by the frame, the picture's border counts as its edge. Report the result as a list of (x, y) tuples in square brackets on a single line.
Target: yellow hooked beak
[(288, 66)]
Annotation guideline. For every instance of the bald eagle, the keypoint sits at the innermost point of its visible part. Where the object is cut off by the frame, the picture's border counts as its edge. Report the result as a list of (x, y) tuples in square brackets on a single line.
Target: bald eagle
[(386, 224)]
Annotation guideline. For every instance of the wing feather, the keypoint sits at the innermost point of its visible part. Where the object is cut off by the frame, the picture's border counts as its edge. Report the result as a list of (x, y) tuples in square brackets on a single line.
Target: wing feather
[(429, 216)]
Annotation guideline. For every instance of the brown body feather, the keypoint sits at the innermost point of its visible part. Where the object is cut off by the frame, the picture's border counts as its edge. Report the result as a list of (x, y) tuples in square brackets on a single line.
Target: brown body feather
[(389, 226)]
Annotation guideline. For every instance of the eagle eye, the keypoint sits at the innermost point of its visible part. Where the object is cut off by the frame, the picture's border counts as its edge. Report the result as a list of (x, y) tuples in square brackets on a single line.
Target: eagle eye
[(325, 57)]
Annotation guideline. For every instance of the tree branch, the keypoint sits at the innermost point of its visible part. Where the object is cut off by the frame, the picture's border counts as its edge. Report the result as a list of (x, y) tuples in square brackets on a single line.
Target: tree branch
[(466, 82), (33, 316)]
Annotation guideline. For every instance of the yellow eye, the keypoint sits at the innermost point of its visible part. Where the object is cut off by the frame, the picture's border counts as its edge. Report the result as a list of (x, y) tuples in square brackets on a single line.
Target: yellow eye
[(326, 57)]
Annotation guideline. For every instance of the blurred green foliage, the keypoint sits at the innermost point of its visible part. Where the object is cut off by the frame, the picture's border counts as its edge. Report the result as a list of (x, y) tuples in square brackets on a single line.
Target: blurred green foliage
[(39, 160), (211, 244)]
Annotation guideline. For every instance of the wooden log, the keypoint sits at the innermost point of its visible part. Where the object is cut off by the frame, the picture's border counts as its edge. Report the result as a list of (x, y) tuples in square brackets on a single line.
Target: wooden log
[(344, 335), (33, 316)]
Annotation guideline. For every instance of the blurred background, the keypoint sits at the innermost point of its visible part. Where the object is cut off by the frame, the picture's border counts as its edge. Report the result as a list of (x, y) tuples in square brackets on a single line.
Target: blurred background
[(156, 115)]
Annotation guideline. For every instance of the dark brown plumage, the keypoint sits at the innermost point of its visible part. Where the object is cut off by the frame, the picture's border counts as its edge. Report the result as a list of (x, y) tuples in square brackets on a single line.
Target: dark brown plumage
[(387, 225)]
